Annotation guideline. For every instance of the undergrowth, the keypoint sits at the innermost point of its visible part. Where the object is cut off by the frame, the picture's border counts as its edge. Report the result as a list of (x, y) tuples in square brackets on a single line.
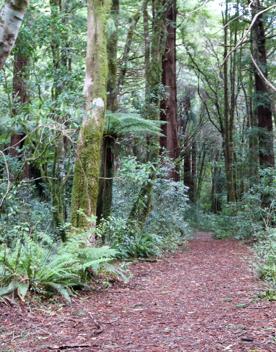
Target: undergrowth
[(40, 265)]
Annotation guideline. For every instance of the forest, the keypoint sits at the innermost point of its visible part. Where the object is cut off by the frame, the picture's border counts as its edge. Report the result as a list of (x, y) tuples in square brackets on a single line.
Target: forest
[(137, 175)]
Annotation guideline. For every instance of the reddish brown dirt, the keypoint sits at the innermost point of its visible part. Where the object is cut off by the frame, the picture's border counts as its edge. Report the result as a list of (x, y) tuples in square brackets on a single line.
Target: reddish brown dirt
[(201, 299)]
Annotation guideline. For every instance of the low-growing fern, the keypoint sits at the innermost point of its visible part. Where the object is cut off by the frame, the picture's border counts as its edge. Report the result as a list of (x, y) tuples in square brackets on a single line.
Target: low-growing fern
[(43, 267)]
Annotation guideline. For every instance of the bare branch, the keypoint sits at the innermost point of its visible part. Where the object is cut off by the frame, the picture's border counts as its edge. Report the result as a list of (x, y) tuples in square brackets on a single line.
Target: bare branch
[(267, 82), (241, 42), (8, 179)]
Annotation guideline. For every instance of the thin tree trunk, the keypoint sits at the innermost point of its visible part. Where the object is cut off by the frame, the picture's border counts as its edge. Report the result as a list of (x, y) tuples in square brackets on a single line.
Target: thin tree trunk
[(216, 186), (123, 70), (59, 61), (188, 180), (88, 158), (194, 171)]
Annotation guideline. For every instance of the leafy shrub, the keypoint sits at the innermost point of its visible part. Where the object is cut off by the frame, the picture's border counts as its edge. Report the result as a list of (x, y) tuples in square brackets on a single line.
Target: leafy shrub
[(129, 179), (127, 239), (38, 264), (248, 218), (20, 204), (169, 201), (266, 250)]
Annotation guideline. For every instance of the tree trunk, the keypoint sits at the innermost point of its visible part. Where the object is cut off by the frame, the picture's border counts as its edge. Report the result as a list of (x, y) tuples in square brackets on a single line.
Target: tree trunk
[(106, 181), (11, 16), (228, 118), (131, 30), (253, 136), (153, 76), (263, 106), (194, 171), (88, 158), (59, 62), (104, 202), (169, 140), (188, 180), (20, 91), (217, 186)]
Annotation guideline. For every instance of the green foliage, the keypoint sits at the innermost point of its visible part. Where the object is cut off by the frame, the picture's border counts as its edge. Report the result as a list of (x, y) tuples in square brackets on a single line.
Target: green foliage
[(249, 218), (266, 250), (169, 201), (127, 239), (22, 212), (120, 124), (38, 264), (128, 181)]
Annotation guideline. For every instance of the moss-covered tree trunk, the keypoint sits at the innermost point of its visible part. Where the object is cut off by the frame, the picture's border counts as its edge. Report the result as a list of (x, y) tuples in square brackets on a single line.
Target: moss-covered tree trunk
[(107, 156), (88, 158)]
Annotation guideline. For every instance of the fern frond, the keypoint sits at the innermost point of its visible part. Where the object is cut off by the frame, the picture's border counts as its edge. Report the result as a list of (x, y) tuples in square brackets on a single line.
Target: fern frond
[(121, 124)]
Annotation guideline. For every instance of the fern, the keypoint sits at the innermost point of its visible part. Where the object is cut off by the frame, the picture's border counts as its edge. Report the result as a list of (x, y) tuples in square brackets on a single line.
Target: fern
[(120, 124), (43, 268)]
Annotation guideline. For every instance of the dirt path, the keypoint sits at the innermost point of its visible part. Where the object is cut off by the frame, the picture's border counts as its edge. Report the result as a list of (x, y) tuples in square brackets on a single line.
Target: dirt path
[(202, 299)]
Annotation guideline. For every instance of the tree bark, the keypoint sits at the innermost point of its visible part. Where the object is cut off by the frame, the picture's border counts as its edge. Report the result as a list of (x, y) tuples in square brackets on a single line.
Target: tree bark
[(20, 91), (263, 104), (169, 140), (88, 159), (11, 16), (227, 132)]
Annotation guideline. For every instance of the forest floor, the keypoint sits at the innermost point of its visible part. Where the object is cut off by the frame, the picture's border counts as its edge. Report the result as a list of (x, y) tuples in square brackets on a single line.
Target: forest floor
[(203, 298)]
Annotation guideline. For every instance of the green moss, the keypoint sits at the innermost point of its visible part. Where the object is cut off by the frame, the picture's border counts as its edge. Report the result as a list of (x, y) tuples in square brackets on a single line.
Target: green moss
[(88, 161), (86, 175)]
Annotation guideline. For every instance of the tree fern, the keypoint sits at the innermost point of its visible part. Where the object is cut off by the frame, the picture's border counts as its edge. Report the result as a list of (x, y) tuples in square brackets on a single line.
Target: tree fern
[(120, 124)]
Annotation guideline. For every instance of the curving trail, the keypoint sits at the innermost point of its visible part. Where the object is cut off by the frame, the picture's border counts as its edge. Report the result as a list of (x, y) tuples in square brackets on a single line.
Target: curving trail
[(201, 299)]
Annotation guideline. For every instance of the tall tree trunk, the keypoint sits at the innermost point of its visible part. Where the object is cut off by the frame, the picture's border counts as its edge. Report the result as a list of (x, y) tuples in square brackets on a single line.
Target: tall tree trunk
[(169, 140), (253, 138), (88, 158), (104, 203), (59, 62), (20, 91), (263, 106), (11, 16), (107, 159), (153, 77), (228, 117)]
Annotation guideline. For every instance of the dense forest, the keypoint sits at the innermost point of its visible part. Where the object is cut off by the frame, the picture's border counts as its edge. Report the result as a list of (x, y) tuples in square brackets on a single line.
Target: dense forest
[(127, 126)]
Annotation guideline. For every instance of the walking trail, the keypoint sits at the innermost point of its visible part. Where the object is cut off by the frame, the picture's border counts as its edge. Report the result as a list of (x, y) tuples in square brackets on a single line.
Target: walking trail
[(203, 298)]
